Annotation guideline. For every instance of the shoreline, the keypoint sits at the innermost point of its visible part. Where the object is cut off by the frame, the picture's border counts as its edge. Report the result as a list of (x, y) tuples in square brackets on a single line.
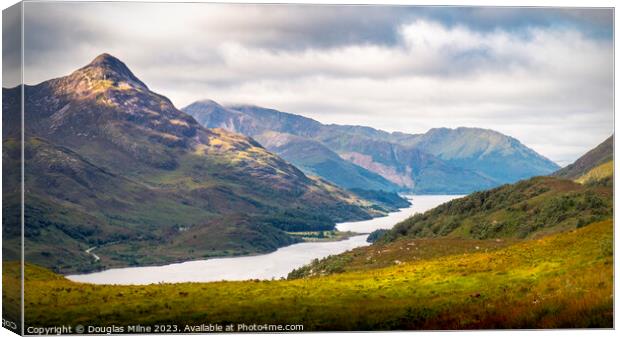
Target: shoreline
[(272, 265)]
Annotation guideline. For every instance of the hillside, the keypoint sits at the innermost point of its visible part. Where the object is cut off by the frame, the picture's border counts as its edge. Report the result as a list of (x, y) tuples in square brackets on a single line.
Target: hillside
[(598, 173), (317, 159), (601, 154), (532, 207), (482, 221), (114, 165), (452, 161), (559, 281), (528, 208)]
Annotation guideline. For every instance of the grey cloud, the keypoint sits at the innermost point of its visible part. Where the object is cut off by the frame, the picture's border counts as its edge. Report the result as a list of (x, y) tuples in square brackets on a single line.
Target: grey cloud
[(547, 71), (11, 46)]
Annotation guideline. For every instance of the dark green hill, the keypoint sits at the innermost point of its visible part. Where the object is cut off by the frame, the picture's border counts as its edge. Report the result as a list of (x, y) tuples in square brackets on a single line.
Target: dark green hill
[(532, 207), (601, 154)]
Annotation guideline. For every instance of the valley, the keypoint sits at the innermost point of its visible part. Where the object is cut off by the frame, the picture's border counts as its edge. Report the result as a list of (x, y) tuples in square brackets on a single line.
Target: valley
[(141, 213), (274, 265), (414, 276), (114, 165), (559, 281)]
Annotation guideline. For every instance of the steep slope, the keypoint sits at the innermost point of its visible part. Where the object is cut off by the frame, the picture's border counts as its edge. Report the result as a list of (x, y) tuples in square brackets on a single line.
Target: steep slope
[(251, 120), (373, 150), (194, 191), (409, 167), (603, 153), (72, 204), (315, 158), (376, 151), (499, 157)]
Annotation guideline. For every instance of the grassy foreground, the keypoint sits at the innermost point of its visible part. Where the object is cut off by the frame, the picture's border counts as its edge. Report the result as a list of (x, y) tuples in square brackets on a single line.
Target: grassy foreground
[(559, 281)]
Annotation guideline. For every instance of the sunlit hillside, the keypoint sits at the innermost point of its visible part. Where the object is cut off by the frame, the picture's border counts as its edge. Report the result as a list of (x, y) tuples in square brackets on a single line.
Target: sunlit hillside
[(564, 280)]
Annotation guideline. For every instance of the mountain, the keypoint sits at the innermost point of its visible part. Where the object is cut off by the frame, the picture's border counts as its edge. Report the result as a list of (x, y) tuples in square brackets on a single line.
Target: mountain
[(453, 161), (601, 154), (497, 156), (315, 158), (599, 173), (297, 146), (410, 168), (111, 164), (528, 208), (374, 150)]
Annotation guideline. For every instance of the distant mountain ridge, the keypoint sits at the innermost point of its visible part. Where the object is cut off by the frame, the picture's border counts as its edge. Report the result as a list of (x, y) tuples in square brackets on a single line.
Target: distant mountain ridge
[(314, 157), (442, 160), (500, 157)]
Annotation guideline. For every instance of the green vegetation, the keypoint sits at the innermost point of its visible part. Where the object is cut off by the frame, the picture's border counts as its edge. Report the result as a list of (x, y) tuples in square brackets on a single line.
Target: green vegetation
[(385, 200), (381, 254), (376, 235), (559, 281), (314, 236), (529, 208)]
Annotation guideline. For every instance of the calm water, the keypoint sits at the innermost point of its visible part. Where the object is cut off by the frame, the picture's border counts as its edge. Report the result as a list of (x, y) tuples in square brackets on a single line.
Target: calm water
[(419, 203), (273, 265)]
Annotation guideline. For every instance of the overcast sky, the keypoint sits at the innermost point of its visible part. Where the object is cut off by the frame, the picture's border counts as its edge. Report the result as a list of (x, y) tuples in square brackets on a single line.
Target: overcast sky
[(544, 76)]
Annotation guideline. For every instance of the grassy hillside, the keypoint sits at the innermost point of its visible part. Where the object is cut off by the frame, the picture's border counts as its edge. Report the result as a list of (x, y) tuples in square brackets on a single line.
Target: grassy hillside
[(559, 281), (598, 173), (529, 208), (603, 153), (386, 254)]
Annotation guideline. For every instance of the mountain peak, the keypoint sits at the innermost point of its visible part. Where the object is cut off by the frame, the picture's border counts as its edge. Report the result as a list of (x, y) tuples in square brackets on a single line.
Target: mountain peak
[(108, 67), (208, 102), (109, 62), (104, 57)]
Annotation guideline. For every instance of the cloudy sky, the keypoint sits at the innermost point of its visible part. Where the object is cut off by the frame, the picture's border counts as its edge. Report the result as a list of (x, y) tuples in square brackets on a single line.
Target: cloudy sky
[(544, 76)]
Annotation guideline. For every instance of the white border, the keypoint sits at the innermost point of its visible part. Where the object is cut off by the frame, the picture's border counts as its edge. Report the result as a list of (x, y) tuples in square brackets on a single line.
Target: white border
[(496, 3)]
